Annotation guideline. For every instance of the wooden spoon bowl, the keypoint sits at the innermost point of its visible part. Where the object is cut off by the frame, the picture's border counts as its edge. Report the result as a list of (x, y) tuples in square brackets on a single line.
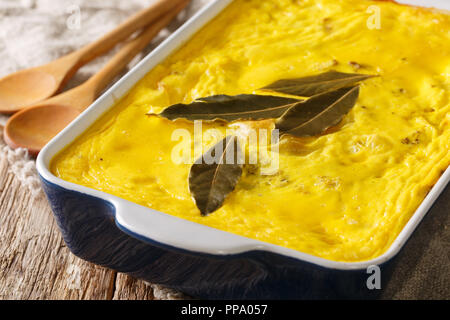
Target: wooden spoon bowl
[(26, 87), (36, 126)]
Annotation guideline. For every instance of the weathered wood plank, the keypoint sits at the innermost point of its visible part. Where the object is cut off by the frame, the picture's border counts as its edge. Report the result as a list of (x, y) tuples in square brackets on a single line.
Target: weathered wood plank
[(128, 288), (34, 261)]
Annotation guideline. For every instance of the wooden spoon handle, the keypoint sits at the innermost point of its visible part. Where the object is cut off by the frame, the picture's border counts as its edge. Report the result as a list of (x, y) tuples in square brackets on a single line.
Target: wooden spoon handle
[(104, 77), (124, 31)]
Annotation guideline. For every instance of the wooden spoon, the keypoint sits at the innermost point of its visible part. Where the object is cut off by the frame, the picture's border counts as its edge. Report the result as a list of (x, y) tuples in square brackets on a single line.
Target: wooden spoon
[(31, 86), (33, 127)]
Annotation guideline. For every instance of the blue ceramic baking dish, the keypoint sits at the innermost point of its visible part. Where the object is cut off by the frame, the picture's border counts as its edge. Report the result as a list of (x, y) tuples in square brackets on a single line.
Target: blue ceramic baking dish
[(195, 259)]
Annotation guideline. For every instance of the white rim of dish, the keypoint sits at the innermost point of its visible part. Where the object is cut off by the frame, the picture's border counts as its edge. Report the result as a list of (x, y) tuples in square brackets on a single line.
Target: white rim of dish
[(182, 234)]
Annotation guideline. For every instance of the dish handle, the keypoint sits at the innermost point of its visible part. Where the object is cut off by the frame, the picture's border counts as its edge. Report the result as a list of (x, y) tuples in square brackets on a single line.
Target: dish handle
[(156, 227)]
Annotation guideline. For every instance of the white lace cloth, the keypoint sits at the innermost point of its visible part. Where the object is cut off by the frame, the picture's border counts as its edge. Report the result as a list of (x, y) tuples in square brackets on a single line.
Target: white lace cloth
[(34, 32)]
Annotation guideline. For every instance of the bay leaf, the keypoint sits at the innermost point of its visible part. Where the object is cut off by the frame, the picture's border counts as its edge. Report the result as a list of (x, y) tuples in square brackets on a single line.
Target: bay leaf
[(317, 84), (230, 108), (210, 184), (318, 113)]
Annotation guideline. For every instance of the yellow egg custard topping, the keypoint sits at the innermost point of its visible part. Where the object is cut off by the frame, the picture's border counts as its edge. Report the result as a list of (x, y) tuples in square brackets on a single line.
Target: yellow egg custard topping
[(343, 195)]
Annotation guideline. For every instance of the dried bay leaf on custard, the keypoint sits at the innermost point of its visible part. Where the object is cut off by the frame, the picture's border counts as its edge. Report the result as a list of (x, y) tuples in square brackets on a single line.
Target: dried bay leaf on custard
[(318, 113), (210, 184), (230, 108), (317, 84)]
